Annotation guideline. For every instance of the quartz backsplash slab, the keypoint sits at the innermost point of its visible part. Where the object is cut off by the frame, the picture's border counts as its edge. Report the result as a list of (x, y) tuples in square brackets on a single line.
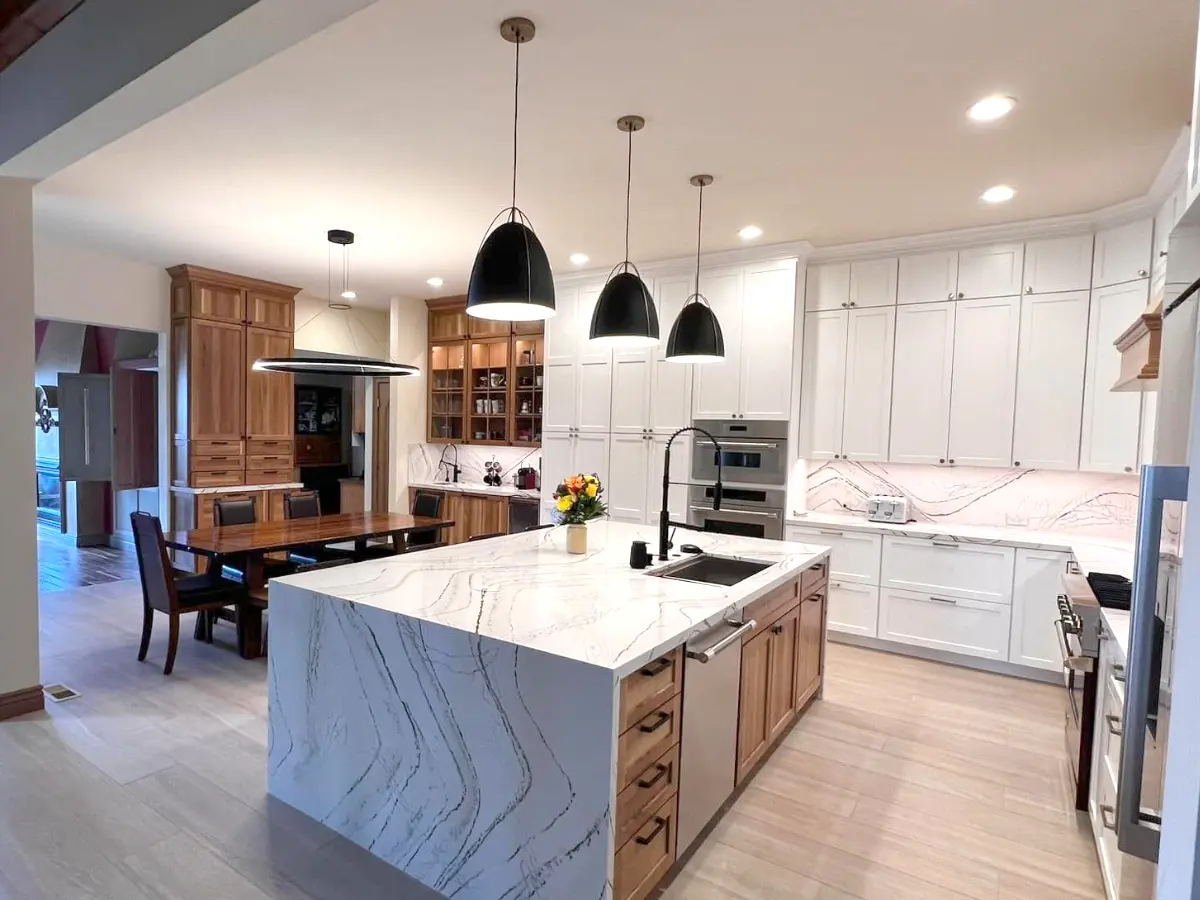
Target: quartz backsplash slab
[(1083, 503), (423, 461)]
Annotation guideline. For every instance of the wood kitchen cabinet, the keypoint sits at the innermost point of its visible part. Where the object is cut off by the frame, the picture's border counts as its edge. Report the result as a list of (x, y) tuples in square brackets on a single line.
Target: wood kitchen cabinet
[(214, 351), (753, 703), (810, 644), (782, 677), (269, 395), (473, 514)]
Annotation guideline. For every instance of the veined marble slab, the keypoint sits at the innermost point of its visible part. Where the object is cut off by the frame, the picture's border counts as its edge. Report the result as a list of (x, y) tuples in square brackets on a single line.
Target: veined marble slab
[(238, 488), (423, 461), (465, 487)]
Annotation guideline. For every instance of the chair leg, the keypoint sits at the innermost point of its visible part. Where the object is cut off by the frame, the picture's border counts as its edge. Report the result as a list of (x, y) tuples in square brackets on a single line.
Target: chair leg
[(147, 627), (210, 620), (172, 644)]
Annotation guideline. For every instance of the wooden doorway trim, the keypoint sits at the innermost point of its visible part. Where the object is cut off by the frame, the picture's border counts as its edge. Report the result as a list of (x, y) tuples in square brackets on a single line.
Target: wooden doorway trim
[(381, 446)]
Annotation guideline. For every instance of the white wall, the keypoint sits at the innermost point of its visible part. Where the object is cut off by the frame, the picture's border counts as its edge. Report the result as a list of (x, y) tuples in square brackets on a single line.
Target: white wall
[(351, 332), (409, 330)]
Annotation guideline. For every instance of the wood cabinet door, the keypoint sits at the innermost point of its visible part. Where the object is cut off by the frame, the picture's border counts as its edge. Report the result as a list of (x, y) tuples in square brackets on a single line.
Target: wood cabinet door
[(272, 506), (782, 683), (811, 647), (447, 324), (477, 327), (753, 728), (983, 393), (218, 302), (216, 378), (452, 508), (270, 396), (273, 311)]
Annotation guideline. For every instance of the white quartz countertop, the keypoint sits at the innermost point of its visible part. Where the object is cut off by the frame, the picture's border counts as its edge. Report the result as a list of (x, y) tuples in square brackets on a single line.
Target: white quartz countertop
[(1092, 554), (525, 589), (1116, 623), (239, 488), (468, 487)]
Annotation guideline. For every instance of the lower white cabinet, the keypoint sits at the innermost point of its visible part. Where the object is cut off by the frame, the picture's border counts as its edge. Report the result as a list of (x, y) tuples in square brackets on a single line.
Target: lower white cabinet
[(1037, 584), (853, 608), (854, 555), (982, 572), (951, 624), (633, 490), (983, 394), (568, 453)]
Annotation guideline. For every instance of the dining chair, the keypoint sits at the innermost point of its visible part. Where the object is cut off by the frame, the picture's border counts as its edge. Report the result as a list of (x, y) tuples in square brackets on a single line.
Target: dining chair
[(241, 511), (163, 591), (429, 505), (301, 505), (485, 537)]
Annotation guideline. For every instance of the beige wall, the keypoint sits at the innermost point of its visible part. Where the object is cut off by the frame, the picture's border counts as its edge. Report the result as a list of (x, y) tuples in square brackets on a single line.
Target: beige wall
[(18, 600), (409, 327), (350, 332), (75, 284)]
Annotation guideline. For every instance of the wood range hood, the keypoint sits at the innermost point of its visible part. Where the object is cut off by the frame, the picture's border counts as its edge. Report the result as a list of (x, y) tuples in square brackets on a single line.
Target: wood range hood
[(1141, 345)]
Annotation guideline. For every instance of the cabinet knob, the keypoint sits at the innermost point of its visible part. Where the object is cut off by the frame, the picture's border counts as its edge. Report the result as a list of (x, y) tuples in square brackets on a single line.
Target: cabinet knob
[(1029, 290), (837, 456), (844, 305), (951, 462), (852, 303), (961, 295), (1142, 273), (1016, 462), (942, 461), (1129, 468), (1162, 253), (950, 296)]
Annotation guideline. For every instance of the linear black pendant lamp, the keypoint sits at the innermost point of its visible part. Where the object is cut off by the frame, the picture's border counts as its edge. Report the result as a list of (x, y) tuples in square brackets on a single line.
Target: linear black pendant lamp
[(624, 315), (696, 335), (342, 238), (511, 277)]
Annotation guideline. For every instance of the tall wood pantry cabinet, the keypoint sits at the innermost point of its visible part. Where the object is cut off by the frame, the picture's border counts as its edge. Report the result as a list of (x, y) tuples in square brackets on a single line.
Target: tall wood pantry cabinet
[(232, 425)]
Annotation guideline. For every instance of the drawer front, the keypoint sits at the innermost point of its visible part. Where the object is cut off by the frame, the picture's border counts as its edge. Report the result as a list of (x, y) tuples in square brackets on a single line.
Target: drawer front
[(951, 624), (269, 476), (854, 556), (1106, 837), (644, 859), (1109, 730), (853, 608), (216, 448), (814, 578), (261, 447), (216, 463), (217, 478), (650, 686), (971, 571), (637, 803), (767, 609), (283, 461), (648, 739)]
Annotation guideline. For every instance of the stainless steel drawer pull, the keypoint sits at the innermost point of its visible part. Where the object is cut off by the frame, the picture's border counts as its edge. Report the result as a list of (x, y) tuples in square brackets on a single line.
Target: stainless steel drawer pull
[(1114, 725), (729, 640), (1108, 816), (738, 512), (1118, 673), (834, 533), (948, 546), (944, 600)]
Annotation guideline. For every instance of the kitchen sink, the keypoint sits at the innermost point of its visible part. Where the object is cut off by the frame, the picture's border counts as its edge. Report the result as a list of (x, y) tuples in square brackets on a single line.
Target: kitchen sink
[(709, 568)]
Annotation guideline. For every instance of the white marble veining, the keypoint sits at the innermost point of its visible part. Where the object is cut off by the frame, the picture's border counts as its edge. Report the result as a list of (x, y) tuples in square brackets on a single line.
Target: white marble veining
[(464, 487), (1116, 623), (239, 488), (423, 461), (525, 589)]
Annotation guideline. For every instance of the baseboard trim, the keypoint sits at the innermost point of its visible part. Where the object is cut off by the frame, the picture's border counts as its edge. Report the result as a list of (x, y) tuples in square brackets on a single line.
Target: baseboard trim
[(22, 702), (996, 666)]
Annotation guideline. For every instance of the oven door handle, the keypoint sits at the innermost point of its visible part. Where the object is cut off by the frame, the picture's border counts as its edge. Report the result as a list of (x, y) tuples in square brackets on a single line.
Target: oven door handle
[(1070, 660), (737, 512), (728, 443)]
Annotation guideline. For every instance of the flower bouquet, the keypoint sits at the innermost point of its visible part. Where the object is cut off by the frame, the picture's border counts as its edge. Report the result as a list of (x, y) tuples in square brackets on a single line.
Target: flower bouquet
[(578, 500)]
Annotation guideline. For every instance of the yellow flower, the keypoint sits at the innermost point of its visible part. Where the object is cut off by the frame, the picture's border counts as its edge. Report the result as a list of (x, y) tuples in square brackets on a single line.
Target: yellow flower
[(590, 479), (591, 490), (564, 503)]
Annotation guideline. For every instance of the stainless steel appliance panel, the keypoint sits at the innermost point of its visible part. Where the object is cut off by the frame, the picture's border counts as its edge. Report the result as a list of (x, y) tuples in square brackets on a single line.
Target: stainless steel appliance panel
[(746, 512), (751, 452)]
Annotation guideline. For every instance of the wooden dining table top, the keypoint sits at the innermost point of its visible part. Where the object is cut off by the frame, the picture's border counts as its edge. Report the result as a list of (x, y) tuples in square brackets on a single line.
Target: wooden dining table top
[(266, 537)]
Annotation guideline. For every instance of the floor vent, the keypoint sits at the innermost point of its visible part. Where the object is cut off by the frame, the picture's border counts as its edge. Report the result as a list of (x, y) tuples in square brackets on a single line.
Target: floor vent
[(59, 693)]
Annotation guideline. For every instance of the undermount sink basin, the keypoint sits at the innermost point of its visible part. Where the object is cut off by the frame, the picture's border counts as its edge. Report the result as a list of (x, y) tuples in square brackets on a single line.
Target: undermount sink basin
[(708, 568)]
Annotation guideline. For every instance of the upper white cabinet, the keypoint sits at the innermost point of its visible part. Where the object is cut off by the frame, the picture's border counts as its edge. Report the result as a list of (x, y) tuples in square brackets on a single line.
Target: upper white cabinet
[(1122, 254), (868, 401), (990, 271), (1109, 440), (631, 402), (823, 384), (983, 390), (578, 374), (1050, 367), (923, 367), (1058, 264), (873, 283), (827, 287), (928, 277), (756, 305), (1037, 582)]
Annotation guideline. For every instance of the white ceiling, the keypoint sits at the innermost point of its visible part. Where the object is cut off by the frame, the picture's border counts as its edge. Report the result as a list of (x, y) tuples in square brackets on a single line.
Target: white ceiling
[(825, 121)]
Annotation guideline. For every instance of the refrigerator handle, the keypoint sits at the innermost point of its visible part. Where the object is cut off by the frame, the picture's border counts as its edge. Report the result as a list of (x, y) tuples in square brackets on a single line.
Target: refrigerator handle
[(1137, 831)]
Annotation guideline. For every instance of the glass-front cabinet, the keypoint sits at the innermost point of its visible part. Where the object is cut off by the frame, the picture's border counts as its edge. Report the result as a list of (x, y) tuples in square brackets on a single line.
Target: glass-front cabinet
[(447, 391), (489, 390), (529, 359)]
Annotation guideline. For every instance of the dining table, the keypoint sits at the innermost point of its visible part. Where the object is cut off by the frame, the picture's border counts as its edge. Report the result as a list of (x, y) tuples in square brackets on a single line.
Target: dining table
[(247, 546)]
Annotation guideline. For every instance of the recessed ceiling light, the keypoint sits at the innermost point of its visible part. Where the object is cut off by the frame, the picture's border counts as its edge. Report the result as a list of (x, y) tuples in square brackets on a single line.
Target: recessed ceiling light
[(750, 233), (579, 259), (1001, 193), (349, 295), (991, 108), (435, 282)]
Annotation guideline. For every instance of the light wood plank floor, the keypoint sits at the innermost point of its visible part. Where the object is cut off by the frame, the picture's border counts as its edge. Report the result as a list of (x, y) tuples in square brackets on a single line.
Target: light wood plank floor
[(909, 780)]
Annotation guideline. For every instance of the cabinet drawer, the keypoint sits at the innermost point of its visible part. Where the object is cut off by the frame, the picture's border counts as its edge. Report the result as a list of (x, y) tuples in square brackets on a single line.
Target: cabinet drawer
[(970, 571), (813, 578), (1106, 837), (854, 556), (216, 448), (648, 739), (644, 859), (217, 478), (767, 609), (283, 461), (952, 624), (262, 447), (216, 463), (637, 803), (853, 608), (650, 686), (1109, 731), (270, 476)]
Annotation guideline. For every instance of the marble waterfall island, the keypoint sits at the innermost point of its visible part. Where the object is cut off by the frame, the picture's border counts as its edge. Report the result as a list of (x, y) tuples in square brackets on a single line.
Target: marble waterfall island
[(455, 711)]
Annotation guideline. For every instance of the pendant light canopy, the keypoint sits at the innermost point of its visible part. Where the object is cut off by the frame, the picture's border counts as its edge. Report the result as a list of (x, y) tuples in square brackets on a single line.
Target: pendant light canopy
[(511, 276), (342, 238), (696, 335), (625, 315)]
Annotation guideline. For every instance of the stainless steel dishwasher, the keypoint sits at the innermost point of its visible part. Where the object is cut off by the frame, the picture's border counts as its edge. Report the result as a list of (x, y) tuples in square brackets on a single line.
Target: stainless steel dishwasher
[(708, 743)]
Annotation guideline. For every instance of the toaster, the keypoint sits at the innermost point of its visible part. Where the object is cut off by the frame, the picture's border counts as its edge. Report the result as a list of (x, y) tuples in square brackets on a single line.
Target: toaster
[(884, 508)]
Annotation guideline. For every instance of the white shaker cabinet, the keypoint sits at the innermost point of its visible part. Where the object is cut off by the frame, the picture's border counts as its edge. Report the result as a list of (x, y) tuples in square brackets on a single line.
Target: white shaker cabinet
[(1123, 254), (578, 374), (853, 608), (984, 383), (631, 392), (867, 406), (949, 624), (1109, 439), (928, 277), (569, 454), (823, 384), (827, 287), (1050, 368), (625, 491), (590, 456), (768, 323), (717, 386), (1058, 264), (681, 471), (1037, 583), (990, 271), (671, 383), (873, 283), (921, 383)]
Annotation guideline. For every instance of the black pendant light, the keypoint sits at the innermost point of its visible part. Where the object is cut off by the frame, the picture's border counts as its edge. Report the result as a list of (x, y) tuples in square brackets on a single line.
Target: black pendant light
[(511, 277), (624, 315), (696, 335), (344, 239)]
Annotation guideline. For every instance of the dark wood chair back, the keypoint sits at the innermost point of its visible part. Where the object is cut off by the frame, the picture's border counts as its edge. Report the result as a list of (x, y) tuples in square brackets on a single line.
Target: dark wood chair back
[(243, 511), (540, 527), (485, 537), (428, 504), (323, 564), (302, 505), (157, 573)]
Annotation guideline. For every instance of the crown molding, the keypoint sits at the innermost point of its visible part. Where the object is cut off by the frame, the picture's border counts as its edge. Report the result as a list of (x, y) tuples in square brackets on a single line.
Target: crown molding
[(797, 250)]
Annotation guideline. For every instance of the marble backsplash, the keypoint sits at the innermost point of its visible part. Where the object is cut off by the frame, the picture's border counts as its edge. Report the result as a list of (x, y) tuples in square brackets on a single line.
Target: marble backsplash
[(1083, 503), (423, 461)]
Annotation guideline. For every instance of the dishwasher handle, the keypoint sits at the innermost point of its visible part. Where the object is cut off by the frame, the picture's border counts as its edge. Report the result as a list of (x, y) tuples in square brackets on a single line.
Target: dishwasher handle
[(729, 640)]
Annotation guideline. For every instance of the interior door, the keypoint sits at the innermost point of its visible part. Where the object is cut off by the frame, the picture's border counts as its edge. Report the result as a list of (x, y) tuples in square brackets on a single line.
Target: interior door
[(85, 428), (381, 443), (135, 428)]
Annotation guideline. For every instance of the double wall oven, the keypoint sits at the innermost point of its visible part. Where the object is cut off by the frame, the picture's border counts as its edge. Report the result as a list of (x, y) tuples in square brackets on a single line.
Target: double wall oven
[(754, 469)]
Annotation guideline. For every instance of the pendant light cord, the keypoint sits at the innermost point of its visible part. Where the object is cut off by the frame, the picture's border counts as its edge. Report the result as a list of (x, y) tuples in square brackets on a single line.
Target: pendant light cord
[(699, 226), (628, 187), (516, 111)]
